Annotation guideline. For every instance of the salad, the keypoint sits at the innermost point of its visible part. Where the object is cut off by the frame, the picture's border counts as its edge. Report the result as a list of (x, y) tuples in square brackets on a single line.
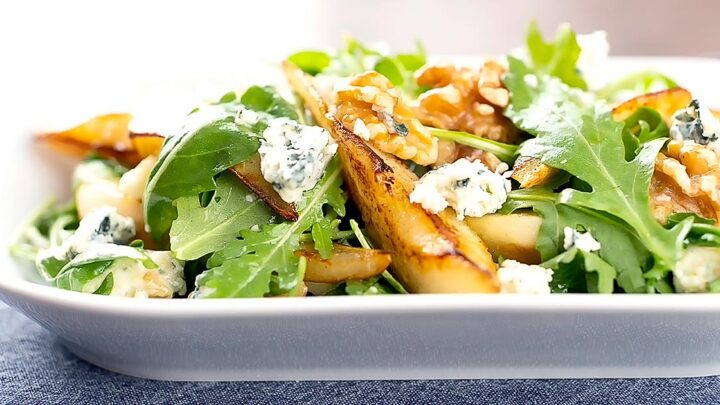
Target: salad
[(370, 172)]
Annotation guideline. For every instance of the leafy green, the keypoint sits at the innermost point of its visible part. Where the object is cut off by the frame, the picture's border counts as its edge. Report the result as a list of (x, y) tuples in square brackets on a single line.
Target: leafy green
[(372, 286), (569, 265), (47, 227), (557, 58), (644, 125), (266, 99), (77, 278), (322, 233), (188, 163), (620, 246), (82, 273), (635, 84), (264, 262), (311, 62), (199, 230), (503, 151), (355, 57), (586, 142), (383, 284), (703, 231)]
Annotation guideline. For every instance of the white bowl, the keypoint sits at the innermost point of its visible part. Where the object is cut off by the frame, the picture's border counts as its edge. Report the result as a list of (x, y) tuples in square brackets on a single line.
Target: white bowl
[(383, 337)]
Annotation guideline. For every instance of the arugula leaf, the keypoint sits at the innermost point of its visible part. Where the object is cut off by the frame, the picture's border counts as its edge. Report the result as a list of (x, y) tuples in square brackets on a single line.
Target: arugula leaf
[(390, 283), (372, 286), (199, 230), (703, 231), (620, 246), (567, 266), (355, 57), (586, 142), (503, 151), (647, 124), (322, 236), (557, 58), (635, 84), (188, 163), (264, 262), (311, 62)]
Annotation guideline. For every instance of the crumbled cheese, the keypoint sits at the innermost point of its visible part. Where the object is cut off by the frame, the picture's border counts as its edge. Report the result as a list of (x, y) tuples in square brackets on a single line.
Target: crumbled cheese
[(530, 80), (247, 117), (581, 240), (592, 62), (250, 197), (695, 123), (293, 157), (519, 278), (92, 171), (255, 228), (361, 130), (470, 188), (100, 226), (697, 269)]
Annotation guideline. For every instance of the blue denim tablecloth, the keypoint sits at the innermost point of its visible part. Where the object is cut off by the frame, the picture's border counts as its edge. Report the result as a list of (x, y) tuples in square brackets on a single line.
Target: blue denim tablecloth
[(36, 369)]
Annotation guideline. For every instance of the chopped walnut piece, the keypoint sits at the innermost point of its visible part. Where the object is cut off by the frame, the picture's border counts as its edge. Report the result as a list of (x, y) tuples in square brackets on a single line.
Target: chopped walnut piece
[(449, 152), (373, 109), (686, 179), (464, 99)]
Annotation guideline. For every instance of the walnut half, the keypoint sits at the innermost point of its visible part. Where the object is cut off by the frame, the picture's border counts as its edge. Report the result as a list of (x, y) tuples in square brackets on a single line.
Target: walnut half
[(465, 99), (686, 179), (373, 109)]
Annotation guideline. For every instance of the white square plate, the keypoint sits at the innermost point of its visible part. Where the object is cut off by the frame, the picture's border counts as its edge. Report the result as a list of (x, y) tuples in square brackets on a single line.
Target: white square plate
[(382, 337)]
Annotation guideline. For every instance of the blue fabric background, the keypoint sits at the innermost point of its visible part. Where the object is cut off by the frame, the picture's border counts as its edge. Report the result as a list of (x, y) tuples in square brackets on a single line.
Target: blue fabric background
[(36, 369)]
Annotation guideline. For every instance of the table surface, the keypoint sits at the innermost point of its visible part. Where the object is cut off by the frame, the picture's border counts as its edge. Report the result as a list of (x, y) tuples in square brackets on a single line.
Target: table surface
[(35, 368)]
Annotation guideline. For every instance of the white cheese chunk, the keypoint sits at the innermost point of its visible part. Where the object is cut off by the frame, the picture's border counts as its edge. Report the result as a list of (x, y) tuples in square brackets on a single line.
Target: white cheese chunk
[(581, 240), (293, 157), (94, 170), (695, 123), (697, 269), (519, 278), (470, 188), (101, 226), (247, 117)]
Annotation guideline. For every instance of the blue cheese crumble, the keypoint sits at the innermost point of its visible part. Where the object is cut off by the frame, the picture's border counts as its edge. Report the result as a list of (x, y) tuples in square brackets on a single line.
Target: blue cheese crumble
[(470, 188), (519, 278), (581, 240), (293, 157), (101, 226), (695, 123)]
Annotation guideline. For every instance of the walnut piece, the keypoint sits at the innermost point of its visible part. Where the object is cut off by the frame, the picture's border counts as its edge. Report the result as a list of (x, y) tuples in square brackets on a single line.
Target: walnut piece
[(374, 110), (686, 179), (464, 99)]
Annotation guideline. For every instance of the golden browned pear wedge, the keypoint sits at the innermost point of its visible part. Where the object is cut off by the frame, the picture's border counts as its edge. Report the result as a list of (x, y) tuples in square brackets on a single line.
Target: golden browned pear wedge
[(250, 174), (346, 263), (430, 253), (665, 102), (510, 236)]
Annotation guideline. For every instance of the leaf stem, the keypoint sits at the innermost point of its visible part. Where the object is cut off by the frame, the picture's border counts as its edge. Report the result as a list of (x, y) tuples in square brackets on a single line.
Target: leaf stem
[(503, 151)]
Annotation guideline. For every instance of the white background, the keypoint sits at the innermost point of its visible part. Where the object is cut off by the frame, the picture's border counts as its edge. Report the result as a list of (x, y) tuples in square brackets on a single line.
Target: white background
[(46, 43)]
